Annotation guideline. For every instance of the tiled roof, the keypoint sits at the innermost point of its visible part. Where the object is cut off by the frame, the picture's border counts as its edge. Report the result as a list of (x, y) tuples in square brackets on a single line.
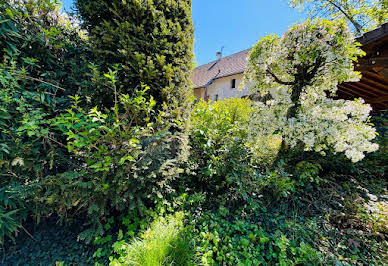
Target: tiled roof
[(226, 66)]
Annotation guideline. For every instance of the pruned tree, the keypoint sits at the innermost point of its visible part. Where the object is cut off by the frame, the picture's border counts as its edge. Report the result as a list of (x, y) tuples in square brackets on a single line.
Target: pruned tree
[(151, 41), (294, 75)]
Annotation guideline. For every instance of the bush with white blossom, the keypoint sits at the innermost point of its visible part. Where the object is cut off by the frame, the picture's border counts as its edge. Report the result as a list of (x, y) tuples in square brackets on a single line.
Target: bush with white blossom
[(293, 76)]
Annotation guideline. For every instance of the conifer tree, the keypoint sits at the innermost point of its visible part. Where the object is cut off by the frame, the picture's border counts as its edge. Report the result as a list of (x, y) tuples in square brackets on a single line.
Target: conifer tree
[(151, 42)]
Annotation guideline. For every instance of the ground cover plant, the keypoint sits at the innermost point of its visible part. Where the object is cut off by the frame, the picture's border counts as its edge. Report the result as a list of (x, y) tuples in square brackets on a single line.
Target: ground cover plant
[(106, 159)]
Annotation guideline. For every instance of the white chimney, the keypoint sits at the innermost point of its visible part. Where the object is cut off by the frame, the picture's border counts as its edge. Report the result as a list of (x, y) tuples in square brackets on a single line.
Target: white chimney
[(219, 55)]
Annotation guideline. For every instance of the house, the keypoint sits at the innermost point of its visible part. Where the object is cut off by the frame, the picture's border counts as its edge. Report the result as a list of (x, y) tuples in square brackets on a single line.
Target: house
[(221, 78)]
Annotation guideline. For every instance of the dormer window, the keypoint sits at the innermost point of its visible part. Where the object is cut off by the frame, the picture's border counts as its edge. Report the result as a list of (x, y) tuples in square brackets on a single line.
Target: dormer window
[(233, 83)]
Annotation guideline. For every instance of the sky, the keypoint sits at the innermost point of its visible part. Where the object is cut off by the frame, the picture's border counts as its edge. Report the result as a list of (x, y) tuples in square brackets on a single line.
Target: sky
[(235, 25)]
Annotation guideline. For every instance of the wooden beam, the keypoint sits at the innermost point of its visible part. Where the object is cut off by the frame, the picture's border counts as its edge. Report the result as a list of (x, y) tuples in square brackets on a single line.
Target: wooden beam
[(349, 91), (341, 90), (373, 85), (374, 62), (376, 77), (371, 64), (379, 99), (370, 86), (362, 90)]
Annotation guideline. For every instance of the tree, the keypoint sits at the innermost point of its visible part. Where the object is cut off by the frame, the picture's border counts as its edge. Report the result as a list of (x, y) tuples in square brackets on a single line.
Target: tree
[(363, 15), (294, 75), (130, 146), (151, 40)]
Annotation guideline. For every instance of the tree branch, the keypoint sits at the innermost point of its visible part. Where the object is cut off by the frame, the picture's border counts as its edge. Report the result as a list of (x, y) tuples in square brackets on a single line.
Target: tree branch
[(278, 80), (355, 24), (39, 80), (311, 74)]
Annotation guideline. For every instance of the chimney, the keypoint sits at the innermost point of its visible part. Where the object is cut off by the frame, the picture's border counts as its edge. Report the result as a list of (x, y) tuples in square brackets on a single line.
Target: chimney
[(218, 55)]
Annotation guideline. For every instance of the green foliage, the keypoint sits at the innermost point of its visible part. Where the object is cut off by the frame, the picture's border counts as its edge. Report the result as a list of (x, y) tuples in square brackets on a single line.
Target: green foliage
[(375, 165), (165, 242), (152, 42), (9, 224), (219, 155), (39, 47), (93, 131), (363, 15), (307, 174), (123, 166), (222, 241), (125, 227), (277, 183), (58, 155)]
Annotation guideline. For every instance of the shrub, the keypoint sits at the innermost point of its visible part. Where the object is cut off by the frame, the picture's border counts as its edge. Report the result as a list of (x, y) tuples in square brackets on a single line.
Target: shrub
[(219, 154), (39, 47), (375, 164), (277, 184), (122, 166), (165, 242), (66, 158)]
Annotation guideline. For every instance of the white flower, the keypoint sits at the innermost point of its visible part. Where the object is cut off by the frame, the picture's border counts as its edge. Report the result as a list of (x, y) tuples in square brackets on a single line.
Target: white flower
[(321, 122), (17, 161)]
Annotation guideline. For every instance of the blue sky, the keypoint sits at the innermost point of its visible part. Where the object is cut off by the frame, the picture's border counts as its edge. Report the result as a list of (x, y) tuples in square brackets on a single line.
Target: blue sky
[(234, 24)]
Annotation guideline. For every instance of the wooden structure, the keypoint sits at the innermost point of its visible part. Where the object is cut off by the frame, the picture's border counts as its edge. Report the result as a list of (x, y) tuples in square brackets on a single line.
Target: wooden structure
[(373, 86)]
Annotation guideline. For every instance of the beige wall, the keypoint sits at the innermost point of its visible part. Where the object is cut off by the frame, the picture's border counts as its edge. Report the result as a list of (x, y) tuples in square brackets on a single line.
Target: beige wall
[(199, 93), (223, 88)]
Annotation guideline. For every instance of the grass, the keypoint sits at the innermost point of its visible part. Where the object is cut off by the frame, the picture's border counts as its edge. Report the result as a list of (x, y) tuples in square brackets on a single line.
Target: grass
[(166, 242)]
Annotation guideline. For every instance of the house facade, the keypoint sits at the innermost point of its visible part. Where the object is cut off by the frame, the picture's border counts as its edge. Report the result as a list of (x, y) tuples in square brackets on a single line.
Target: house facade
[(221, 79)]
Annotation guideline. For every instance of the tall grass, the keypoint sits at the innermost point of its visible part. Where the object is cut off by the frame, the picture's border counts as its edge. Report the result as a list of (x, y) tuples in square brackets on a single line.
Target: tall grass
[(166, 242)]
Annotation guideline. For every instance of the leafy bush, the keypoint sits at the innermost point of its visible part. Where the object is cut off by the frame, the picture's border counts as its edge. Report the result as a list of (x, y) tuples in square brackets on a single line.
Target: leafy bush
[(122, 166), (277, 183), (164, 243), (375, 164), (39, 47), (219, 154), (92, 130), (64, 158), (9, 224)]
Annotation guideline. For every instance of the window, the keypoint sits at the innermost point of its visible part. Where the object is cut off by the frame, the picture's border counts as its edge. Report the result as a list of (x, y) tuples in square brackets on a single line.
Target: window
[(233, 83)]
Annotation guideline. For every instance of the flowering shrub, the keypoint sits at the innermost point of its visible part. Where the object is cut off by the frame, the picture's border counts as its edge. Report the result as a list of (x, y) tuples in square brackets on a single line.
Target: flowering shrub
[(294, 75)]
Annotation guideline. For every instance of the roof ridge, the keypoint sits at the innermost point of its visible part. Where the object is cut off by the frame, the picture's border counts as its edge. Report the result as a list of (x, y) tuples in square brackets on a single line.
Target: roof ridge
[(223, 58)]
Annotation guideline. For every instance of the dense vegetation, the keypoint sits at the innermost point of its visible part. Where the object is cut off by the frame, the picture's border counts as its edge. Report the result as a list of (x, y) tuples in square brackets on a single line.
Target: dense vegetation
[(63, 155), (105, 158)]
